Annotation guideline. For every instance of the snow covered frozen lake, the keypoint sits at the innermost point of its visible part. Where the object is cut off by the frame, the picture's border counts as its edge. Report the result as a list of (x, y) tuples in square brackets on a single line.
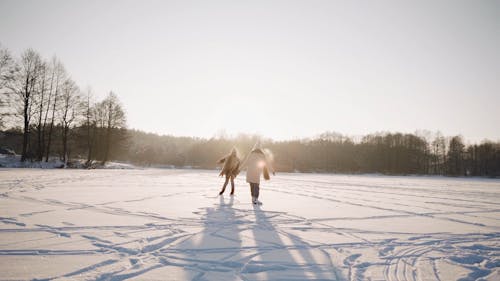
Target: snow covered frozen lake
[(170, 225)]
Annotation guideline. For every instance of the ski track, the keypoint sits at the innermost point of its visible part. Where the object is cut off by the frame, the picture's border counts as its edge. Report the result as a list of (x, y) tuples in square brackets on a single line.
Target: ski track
[(152, 224)]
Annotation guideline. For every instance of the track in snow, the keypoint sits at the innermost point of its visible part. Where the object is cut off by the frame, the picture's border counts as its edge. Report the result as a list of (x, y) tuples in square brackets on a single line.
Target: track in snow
[(161, 224)]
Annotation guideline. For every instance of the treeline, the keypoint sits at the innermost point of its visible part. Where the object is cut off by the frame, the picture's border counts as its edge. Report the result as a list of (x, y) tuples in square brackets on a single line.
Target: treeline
[(54, 116), (47, 115), (391, 153), (387, 153)]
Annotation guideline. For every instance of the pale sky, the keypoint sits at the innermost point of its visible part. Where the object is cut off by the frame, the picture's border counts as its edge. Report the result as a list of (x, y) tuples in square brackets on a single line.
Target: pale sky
[(283, 69)]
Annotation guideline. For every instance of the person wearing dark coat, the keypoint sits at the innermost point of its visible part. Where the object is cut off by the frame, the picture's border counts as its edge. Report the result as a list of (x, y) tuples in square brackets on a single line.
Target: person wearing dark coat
[(230, 169)]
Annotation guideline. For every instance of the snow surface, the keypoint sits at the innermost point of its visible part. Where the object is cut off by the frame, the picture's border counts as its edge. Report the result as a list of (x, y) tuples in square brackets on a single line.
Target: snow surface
[(14, 161), (156, 224)]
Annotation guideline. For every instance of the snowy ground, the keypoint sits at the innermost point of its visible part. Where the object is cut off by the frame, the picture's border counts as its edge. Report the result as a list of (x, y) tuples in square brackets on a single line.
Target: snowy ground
[(171, 225)]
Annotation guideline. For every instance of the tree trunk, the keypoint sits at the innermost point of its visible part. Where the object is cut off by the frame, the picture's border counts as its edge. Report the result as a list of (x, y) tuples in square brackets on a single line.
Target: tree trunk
[(91, 142), (51, 127), (65, 143), (108, 132), (89, 138), (39, 130), (25, 132), (26, 123), (106, 148)]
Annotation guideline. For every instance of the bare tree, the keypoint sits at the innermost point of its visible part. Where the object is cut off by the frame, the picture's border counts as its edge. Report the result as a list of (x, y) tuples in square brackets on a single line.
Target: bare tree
[(90, 116), (438, 154), (8, 69), (41, 104), (23, 87), (70, 106), (58, 74), (6, 64), (114, 118), (455, 157)]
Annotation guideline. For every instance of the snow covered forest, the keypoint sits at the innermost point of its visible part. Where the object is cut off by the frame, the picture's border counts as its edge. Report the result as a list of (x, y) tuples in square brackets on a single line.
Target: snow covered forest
[(50, 114), (45, 114)]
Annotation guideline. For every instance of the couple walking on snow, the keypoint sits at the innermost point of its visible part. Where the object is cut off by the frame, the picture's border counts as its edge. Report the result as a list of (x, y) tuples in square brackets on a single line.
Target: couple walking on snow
[(256, 164)]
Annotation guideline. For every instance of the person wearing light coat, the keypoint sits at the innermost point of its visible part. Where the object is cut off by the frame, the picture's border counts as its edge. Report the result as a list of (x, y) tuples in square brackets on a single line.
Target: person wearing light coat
[(230, 169), (257, 164)]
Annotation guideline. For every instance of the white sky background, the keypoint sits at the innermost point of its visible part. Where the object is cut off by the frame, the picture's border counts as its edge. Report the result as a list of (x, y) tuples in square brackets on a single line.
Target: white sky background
[(283, 69)]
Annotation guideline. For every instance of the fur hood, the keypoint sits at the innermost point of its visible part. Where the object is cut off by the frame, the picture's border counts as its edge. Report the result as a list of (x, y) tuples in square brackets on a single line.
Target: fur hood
[(257, 163), (231, 164)]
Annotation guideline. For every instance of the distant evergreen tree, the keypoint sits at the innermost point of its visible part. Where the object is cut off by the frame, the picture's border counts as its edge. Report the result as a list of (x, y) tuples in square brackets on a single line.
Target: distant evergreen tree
[(455, 157)]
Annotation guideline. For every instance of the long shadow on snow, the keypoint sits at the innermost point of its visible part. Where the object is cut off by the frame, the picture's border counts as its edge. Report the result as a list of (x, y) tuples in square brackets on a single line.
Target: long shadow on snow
[(282, 256)]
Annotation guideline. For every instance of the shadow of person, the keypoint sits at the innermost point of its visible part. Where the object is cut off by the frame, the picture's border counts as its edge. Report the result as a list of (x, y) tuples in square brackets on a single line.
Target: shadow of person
[(214, 252), (249, 244), (281, 256)]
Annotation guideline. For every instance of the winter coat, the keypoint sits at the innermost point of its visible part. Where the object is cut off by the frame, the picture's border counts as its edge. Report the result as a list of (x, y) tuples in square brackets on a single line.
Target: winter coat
[(231, 165), (256, 164)]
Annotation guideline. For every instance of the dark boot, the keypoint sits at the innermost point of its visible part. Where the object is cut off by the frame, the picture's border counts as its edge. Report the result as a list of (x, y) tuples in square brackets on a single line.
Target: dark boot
[(224, 186), (232, 186)]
